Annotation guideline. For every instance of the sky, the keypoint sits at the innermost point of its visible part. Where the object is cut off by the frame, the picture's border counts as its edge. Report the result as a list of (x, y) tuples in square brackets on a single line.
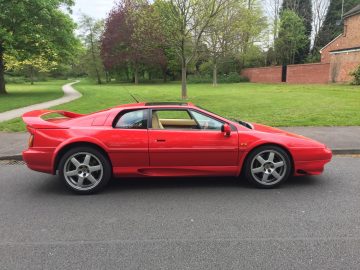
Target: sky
[(94, 8)]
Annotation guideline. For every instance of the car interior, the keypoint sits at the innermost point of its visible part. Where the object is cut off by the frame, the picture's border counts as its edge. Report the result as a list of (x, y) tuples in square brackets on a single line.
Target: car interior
[(172, 120)]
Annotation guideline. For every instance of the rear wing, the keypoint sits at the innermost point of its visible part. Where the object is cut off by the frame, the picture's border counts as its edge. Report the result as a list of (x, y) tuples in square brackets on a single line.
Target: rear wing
[(34, 118)]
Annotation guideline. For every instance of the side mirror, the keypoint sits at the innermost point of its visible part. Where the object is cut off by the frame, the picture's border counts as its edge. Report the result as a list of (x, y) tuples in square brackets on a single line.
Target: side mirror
[(226, 129)]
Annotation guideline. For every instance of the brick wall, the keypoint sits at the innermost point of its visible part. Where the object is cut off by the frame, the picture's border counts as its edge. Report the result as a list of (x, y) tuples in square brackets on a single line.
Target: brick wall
[(308, 73), (263, 74), (342, 65)]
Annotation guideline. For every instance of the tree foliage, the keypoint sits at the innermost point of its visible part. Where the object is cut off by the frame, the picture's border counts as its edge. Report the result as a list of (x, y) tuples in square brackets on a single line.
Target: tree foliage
[(91, 32), (35, 29), (292, 37), (233, 34), (132, 38), (303, 8)]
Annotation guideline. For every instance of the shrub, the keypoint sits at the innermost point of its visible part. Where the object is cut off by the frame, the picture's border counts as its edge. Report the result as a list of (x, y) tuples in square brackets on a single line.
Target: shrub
[(14, 79), (232, 77), (356, 75)]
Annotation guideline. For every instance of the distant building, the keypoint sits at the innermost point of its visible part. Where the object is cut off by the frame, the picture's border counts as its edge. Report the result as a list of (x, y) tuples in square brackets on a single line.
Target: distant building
[(339, 58), (343, 52)]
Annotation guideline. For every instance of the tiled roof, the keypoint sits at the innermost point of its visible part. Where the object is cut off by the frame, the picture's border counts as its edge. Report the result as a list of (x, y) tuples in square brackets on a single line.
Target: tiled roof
[(352, 11)]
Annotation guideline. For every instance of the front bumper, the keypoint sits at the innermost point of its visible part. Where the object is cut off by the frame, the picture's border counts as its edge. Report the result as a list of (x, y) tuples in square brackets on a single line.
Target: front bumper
[(311, 161)]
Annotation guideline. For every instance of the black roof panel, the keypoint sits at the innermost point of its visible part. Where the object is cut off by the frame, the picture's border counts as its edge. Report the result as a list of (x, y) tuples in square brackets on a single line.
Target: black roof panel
[(165, 103)]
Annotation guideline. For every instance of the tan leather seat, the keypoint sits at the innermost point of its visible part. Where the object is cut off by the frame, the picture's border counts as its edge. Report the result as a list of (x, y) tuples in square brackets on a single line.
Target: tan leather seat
[(156, 122)]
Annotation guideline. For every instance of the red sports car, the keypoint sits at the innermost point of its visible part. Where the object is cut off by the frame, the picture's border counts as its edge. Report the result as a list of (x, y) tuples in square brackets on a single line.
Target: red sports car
[(164, 139)]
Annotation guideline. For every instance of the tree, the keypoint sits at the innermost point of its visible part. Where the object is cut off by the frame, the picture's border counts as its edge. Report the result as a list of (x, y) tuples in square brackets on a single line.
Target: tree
[(187, 21), (28, 29), (303, 8), (272, 8), (320, 8), (233, 33), (132, 38), (292, 37), (91, 32), (333, 26), (31, 65)]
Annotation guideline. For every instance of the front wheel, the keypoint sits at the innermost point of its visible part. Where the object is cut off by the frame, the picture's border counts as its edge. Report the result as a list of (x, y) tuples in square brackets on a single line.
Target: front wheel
[(85, 170), (267, 166)]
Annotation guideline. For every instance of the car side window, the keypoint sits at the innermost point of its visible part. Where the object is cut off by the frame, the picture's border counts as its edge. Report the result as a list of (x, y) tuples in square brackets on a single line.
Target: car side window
[(206, 122), (133, 120), (172, 119)]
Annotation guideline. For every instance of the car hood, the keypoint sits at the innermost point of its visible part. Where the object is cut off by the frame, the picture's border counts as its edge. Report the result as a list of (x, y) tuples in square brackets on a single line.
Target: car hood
[(277, 131)]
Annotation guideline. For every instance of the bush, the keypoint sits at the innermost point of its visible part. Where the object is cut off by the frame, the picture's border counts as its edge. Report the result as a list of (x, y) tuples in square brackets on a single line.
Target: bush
[(232, 77), (22, 79), (14, 79), (356, 75)]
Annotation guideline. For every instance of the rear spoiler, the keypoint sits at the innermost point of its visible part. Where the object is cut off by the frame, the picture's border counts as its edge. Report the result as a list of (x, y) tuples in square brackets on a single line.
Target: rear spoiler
[(34, 120)]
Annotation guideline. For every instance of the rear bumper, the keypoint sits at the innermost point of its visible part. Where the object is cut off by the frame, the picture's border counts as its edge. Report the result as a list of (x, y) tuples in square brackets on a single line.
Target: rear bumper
[(313, 163), (39, 159)]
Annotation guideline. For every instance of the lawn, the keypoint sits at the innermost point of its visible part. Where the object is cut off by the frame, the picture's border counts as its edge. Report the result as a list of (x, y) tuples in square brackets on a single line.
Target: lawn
[(21, 95), (272, 104)]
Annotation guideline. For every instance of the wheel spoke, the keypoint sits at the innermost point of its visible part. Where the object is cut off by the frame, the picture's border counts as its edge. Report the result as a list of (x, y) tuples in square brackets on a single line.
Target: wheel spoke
[(265, 177), (257, 170), (275, 174), (72, 173), (95, 168), (87, 159), (91, 179), (260, 159), (271, 156), (80, 181), (75, 162), (279, 164)]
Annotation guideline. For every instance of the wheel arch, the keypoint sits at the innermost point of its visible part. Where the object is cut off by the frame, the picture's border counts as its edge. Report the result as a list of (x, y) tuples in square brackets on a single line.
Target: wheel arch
[(270, 144), (60, 153)]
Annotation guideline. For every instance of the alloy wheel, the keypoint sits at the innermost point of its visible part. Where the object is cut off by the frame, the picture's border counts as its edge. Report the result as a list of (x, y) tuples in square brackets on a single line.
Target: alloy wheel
[(83, 171), (268, 167)]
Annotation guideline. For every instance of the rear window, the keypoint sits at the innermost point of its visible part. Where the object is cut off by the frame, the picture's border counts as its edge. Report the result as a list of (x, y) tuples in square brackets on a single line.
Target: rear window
[(132, 120)]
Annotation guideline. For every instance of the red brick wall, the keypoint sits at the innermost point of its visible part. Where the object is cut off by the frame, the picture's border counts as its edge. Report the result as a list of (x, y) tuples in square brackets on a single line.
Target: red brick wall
[(341, 65), (308, 73), (263, 74), (350, 38)]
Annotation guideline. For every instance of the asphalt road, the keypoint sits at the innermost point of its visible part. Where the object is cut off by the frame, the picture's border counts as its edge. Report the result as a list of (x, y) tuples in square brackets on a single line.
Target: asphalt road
[(194, 223)]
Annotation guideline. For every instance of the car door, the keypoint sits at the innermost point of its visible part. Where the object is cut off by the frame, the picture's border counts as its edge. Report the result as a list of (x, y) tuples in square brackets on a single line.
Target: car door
[(128, 141), (195, 149)]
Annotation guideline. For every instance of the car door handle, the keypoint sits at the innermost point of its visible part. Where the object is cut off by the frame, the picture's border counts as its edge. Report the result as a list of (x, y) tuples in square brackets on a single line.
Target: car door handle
[(160, 140)]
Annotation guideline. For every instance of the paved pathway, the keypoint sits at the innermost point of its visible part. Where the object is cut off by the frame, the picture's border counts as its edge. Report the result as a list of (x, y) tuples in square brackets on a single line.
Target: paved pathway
[(70, 94)]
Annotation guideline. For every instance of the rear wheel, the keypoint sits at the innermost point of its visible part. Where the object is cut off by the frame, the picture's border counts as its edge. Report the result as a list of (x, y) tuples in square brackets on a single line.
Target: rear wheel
[(267, 166), (85, 170)]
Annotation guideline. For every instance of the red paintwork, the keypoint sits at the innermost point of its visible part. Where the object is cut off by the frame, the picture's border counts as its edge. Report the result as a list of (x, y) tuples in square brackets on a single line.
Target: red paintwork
[(136, 152)]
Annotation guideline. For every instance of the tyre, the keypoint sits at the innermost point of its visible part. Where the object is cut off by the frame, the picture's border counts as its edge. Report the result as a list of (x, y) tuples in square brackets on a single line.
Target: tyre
[(85, 170), (267, 166)]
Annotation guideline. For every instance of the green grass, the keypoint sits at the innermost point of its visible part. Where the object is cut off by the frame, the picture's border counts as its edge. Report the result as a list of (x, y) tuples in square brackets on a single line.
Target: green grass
[(271, 104), (21, 95)]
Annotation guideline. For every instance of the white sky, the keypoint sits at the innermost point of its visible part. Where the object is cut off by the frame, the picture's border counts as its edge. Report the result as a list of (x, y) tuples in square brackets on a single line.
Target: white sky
[(94, 8)]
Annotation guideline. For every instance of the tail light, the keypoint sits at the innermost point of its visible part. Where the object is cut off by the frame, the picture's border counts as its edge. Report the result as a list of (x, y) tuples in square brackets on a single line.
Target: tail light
[(31, 140)]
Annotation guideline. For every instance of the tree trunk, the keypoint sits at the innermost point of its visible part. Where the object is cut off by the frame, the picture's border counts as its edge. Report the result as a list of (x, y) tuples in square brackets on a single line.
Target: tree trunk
[(215, 74), (164, 76), (136, 75), (2, 72), (31, 75), (183, 82)]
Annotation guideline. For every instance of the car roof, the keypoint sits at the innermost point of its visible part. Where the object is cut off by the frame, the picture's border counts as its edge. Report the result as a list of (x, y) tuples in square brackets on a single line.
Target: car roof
[(160, 104)]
